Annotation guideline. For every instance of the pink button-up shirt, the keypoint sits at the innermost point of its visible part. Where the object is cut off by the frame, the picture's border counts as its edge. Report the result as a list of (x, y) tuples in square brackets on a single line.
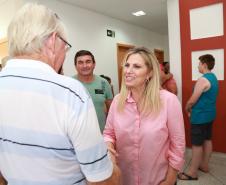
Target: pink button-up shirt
[(147, 145)]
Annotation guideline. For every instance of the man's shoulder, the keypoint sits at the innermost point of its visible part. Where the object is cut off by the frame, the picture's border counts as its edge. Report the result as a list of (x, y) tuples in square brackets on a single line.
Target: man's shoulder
[(69, 81), (99, 78), (74, 77), (103, 81), (210, 76), (100, 81), (202, 80), (73, 85)]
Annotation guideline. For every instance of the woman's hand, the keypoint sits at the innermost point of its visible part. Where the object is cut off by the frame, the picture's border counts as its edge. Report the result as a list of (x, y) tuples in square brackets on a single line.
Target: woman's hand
[(171, 177), (112, 152)]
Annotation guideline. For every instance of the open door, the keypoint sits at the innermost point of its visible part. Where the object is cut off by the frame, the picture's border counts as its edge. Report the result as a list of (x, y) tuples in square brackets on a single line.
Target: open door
[(122, 50), (159, 55)]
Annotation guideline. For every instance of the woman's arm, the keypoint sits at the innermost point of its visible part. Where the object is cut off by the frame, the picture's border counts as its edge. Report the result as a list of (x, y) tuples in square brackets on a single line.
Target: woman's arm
[(171, 177), (112, 152), (109, 130), (175, 125)]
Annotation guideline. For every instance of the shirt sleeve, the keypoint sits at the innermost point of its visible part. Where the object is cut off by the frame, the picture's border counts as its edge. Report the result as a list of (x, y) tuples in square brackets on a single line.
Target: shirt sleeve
[(109, 132), (108, 92), (89, 146), (175, 125)]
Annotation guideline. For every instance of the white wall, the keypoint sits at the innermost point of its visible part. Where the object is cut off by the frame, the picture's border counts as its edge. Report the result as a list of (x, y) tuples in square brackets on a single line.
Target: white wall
[(166, 47), (175, 43), (7, 10), (200, 28), (87, 30)]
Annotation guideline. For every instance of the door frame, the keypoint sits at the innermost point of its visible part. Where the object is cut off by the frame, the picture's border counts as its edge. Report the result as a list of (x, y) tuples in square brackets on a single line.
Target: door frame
[(159, 53), (120, 60)]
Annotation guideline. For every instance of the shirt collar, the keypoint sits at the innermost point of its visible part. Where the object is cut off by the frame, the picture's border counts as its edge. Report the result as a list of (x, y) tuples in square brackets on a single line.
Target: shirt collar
[(28, 63), (129, 98)]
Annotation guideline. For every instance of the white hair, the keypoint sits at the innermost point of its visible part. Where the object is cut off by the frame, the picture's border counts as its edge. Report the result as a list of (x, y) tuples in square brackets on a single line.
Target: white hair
[(31, 25)]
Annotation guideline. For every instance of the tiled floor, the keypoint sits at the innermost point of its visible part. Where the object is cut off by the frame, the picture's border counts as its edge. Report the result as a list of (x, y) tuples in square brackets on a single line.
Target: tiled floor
[(217, 174)]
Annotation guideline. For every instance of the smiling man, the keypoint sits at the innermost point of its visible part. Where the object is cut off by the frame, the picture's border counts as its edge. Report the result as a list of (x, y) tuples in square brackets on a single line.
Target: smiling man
[(99, 88)]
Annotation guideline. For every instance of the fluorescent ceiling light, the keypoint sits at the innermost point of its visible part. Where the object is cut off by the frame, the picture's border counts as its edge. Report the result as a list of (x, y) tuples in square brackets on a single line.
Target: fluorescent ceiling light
[(139, 13)]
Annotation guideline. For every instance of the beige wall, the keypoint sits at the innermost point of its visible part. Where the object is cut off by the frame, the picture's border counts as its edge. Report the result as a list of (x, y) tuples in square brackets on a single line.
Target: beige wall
[(87, 30), (7, 10), (3, 49)]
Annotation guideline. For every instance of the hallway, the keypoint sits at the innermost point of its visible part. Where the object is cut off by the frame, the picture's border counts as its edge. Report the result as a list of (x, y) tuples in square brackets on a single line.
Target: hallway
[(217, 174)]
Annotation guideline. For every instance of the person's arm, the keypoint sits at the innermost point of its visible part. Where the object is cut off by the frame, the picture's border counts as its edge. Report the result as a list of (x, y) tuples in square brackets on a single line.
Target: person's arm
[(115, 178), (201, 86), (89, 146), (165, 77), (109, 130), (108, 95), (112, 90), (109, 133), (175, 125), (112, 151), (172, 87), (2, 180), (108, 104), (171, 177)]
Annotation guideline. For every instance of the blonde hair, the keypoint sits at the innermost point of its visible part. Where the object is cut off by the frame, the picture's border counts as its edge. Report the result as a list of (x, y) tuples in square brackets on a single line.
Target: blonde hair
[(31, 25), (150, 101)]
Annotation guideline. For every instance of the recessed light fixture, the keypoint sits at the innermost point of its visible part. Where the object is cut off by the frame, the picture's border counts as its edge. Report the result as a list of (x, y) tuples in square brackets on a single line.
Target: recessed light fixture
[(139, 13)]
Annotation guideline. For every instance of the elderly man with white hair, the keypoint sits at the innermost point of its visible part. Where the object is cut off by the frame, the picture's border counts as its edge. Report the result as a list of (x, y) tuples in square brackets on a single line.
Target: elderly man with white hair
[(49, 132)]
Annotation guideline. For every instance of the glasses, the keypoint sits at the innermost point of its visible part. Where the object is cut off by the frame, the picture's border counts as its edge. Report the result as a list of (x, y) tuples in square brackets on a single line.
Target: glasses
[(68, 46)]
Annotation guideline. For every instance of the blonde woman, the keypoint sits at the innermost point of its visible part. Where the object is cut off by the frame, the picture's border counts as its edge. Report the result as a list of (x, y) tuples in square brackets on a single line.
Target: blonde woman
[(145, 128)]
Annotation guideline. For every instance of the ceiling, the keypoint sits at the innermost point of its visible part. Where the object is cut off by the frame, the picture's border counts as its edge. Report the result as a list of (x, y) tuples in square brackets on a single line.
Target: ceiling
[(156, 11)]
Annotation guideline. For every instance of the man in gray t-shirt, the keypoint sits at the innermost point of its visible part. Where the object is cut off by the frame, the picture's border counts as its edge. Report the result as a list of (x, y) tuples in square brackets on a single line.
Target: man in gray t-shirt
[(99, 88)]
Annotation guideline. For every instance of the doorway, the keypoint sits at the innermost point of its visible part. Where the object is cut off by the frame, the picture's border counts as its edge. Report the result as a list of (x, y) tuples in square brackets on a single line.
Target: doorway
[(159, 55), (122, 50)]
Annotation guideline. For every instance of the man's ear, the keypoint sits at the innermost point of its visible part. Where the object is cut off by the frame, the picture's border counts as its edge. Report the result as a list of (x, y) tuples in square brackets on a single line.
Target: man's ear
[(205, 65), (50, 42), (48, 50)]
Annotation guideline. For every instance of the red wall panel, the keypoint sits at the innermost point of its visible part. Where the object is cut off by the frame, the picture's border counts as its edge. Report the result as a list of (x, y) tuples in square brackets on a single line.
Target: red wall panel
[(187, 47)]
